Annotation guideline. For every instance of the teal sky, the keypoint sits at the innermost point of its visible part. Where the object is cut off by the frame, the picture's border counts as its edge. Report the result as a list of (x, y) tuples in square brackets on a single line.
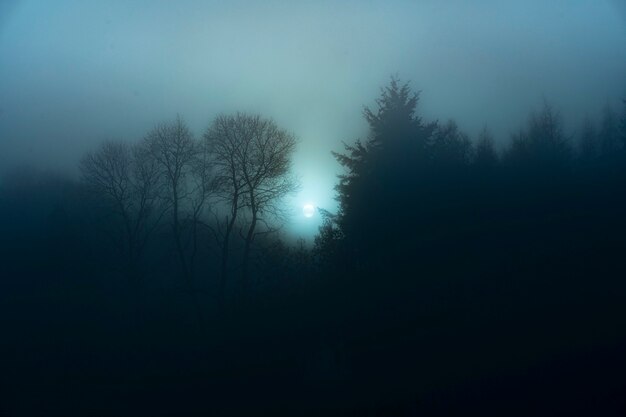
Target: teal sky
[(73, 73)]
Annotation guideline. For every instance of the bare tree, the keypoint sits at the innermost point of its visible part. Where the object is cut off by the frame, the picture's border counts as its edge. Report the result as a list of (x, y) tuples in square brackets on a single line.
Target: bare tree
[(252, 156), (223, 139), (126, 179), (173, 149), (203, 184)]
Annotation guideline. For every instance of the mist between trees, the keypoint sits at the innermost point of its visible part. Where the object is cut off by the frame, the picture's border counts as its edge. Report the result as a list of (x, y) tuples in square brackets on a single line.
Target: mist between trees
[(446, 259)]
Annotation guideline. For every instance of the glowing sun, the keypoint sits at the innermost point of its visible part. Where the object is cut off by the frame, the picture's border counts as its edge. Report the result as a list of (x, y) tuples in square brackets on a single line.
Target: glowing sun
[(308, 210)]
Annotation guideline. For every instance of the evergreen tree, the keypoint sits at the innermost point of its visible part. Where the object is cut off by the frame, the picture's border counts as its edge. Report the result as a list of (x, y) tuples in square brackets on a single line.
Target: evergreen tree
[(373, 193), (609, 132), (542, 145), (450, 146), (588, 144), (485, 155), (622, 126)]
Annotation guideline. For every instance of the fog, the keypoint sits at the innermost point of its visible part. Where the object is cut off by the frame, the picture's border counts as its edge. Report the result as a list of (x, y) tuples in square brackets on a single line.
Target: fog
[(73, 73), (312, 208)]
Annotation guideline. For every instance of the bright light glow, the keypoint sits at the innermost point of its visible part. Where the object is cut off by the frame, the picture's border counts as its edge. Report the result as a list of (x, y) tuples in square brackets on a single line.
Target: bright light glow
[(308, 210)]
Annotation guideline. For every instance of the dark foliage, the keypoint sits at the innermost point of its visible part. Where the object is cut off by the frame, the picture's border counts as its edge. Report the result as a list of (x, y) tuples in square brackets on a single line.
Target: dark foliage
[(453, 280)]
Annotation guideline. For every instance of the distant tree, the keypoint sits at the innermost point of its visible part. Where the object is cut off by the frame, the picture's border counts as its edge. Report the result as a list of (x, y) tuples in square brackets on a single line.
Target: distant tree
[(450, 146), (127, 179), (543, 144), (609, 132), (588, 141), (622, 126), (485, 155), (174, 152), (203, 186), (252, 156), (223, 141)]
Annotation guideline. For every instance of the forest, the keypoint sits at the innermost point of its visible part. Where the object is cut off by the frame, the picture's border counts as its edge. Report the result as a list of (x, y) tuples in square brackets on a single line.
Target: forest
[(455, 278)]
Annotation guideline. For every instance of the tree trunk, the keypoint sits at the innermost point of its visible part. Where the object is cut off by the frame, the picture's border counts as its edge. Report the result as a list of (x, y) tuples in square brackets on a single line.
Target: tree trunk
[(224, 264), (187, 276), (246, 253), (230, 224)]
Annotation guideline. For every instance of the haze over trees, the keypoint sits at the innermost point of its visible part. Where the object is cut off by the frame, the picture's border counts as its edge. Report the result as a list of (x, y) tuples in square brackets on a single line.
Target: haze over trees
[(235, 208), (202, 193), (455, 277)]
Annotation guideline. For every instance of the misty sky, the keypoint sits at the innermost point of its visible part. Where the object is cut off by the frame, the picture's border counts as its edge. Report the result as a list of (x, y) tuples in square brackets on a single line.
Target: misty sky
[(73, 73)]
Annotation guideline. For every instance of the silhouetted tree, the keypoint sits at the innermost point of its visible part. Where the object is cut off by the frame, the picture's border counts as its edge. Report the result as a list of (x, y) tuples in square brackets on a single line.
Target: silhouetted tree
[(450, 146), (223, 140), (327, 244), (485, 155), (542, 145), (622, 126), (174, 151), (203, 185), (128, 179), (609, 132), (588, 142), (383, 172), (253, 158)]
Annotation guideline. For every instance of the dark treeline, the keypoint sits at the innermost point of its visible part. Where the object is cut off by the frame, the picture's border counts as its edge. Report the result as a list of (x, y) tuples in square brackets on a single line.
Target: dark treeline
[(454, 279)]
